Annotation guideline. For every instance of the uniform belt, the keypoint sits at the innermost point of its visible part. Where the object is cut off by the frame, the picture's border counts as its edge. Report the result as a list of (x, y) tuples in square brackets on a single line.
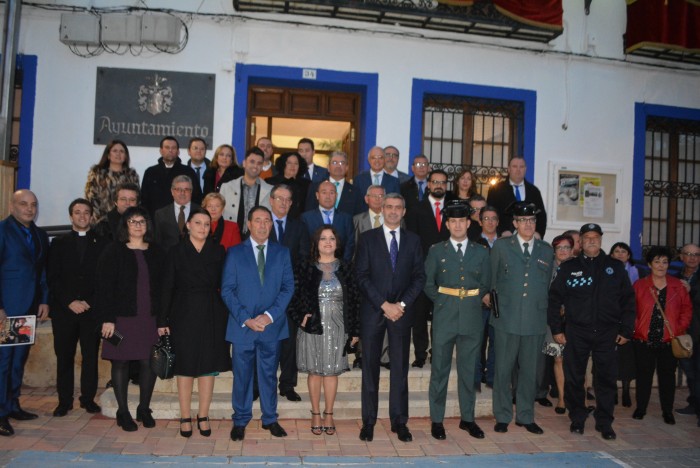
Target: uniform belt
[(461, 292)]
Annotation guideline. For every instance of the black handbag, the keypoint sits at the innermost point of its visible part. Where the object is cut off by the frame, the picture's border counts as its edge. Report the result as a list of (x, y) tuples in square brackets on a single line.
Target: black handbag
[(163, 358)]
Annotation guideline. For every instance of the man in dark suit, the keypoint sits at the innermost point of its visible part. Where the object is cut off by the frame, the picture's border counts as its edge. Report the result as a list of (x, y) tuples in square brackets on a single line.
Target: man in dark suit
[(390, 275), (157, 180), (127, 195), (256, 286), (375, 176), (71, 271), (391, 161), (23, 291), (171, 219), (426, 220), (306, 149), (327, 214), (516, 188), (348, 196), (292, 234), (415, 189), (197, 149)]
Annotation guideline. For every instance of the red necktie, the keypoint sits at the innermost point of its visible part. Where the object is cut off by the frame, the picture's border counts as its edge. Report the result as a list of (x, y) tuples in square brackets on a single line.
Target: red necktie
[(438, 216)]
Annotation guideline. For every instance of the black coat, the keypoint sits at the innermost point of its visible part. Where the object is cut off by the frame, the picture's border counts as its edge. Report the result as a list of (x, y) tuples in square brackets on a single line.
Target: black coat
[(307, 279), (421, 221), (210, 185), (116, 281), (501, 196), (156, 183), (299, 186)]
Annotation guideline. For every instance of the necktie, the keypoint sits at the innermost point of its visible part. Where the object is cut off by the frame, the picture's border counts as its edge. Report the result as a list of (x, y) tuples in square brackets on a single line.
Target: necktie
[(337, 194), (261, 263), (28, 238), (328, 216), (199, 176), (438, 215), (517, 193), (393, 250), (181, 219), (280, 231), (421, 190), (376, 179), (376, 221), (527, 250), (459, 251)]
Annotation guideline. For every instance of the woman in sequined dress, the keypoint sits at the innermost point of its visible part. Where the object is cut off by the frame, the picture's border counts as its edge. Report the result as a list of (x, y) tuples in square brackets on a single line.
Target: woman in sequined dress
[(325, 306)]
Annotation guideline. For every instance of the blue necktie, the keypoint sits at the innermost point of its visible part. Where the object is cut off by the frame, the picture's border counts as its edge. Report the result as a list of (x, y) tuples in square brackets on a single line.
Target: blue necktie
[(421, 190), (393, 250), (517, 193), (280, 231), (337, 194), (328, 216), (28, 238)]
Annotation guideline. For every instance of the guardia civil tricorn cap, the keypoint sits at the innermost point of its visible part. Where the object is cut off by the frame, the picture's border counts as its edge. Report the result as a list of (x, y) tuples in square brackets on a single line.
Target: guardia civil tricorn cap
[(457, 209), (523, 209)]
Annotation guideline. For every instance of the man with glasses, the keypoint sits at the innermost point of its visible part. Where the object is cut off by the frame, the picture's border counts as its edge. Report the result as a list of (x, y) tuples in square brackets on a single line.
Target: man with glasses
[(375, 176), (169, 223), (521, 268), (476, 203), (347, 200), (391, 161), (416, 188), (428, 221)]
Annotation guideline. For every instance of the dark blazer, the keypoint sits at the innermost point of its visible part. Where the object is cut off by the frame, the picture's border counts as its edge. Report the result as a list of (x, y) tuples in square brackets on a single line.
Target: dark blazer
[(342, 222), (210, 185), (23, 284), (409, 191), (296, 239), (299, 187), (421, 221), (116, 281), (364, 180), (109, 226), (501, 196), (349, 198), (71, 277), (307, 279), (156, 183), (320, 174), (168, 233)]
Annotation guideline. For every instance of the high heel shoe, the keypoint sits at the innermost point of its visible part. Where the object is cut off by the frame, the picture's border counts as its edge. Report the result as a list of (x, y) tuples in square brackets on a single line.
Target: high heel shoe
[(186, 421), (204, 432), (330, 430), (316, 430)]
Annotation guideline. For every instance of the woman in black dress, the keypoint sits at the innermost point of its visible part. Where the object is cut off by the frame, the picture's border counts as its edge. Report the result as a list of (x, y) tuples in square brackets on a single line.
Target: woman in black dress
[(195, 314), (291, 168), (128, 287)]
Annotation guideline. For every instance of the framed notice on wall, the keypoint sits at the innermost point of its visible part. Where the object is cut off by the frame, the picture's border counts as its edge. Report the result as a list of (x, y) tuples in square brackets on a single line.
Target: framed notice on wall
[(583, 194)]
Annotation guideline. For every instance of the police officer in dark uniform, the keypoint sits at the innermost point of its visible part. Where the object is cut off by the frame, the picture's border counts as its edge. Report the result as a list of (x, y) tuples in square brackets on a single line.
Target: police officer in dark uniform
[(599, 307)]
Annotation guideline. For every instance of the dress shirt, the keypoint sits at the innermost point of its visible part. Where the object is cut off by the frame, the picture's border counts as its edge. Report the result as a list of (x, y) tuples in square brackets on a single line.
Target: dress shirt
[(187, 210), (521, 188), (530, 243), (394, 174), (372, 174), (387, 236), (491, 242), (442, 205), (372, 214), (276, 226), (311, 171), (323, 215), (338, 188), (463, 242), (202, 167)]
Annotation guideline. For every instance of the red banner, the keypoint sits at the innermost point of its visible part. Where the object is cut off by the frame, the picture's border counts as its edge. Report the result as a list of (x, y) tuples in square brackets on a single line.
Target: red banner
[(540, 13), (669, 24)]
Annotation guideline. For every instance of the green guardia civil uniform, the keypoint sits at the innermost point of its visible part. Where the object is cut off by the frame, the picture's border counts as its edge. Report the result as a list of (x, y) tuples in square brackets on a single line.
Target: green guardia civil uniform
[(457, 320), (522, 284)]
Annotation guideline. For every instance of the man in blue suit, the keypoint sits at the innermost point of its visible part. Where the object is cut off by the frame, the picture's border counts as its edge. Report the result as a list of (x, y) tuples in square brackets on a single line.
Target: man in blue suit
[(23, 291), (327, 214), (375, 176), (257, 285), (316, 174)]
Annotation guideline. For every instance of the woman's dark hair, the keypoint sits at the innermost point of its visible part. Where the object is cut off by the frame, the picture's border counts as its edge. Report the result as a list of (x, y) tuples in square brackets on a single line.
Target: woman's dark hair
[(623, 246), (561, 239), (131, 212), (458, 175), (315, 255), (281, 163), (658, 252), (104, 161), (196, 211)]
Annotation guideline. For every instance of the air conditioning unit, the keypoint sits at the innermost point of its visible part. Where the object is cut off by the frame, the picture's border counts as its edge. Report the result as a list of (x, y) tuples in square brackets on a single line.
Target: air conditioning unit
[(118, 28), (80, 29), (160, 29)]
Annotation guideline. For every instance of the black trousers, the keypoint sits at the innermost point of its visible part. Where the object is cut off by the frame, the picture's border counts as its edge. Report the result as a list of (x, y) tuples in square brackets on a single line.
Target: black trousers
[(421, 338), (648, 360), (68, 331), (580, 343), (288, 359)]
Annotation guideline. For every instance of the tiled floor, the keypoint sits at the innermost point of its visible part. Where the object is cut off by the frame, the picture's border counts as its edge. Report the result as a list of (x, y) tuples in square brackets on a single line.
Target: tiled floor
[(86, 434)]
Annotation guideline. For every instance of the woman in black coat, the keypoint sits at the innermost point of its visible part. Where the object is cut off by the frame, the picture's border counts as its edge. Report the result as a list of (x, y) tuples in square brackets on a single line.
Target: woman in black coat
[(128, 300), (223, 168), (291, 168), (195, 314)]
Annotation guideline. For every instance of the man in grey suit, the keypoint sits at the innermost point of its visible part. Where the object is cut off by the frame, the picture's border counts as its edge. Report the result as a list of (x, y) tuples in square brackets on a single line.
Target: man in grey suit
[(170, 220), (521, 268), (372, 218), (391, 161)]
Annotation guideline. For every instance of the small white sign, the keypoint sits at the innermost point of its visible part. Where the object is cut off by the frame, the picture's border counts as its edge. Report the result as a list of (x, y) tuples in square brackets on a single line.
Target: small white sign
[(308, 74)]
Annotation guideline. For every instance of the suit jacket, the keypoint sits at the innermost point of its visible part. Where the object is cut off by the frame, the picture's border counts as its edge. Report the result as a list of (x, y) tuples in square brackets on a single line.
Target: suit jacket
[(522, 285), (349, 198), (210, 185), (364, 180), (23, 284), (296, 239), (409, 191), (342, 222), (377, 281), (156, 183), (364, 222), (501, 196), (246, 298), (421, 221), (320, 174), (167, 232), (231, 191), (70, 277), (402, 176), (443, 267)]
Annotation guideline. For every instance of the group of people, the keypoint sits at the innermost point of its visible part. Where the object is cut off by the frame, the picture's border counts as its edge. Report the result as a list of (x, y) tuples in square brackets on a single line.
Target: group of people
[(291, 265)]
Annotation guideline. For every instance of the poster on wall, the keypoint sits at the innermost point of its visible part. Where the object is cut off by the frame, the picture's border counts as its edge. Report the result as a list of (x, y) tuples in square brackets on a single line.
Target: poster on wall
[(141, 107)]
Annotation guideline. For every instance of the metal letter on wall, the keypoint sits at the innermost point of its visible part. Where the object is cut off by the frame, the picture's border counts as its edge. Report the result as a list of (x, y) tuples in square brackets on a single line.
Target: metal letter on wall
[(143, 106)]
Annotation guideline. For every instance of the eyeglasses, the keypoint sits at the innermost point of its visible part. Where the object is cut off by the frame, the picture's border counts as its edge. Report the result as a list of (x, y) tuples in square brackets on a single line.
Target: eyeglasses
[(338, 163), (421, 164), (378, 197), (137, 222), (376, 158), (526, 220), (490, 218), (691, 254), (283, 199), (391, 155), (182, 190), (438, 182)]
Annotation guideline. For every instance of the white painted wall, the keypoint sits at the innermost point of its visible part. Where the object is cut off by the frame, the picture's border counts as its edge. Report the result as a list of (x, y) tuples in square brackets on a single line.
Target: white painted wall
[(593, 89)]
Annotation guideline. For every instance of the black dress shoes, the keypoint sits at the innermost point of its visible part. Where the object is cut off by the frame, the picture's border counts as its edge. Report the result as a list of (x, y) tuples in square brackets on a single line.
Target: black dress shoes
[(544, 402), (606, 432), (125, 421), (437, 430), (576, 428), (367, 432), (275, 429), (357, 363), (144, 416), (472, 428), (237, 433), (532, 428), (638, 414), (6, 428), (669, 419), (62, 410), (91, 407), (21, 415), (290, 394), (386, 365), (402, 432), (418, 363), (501, 427)]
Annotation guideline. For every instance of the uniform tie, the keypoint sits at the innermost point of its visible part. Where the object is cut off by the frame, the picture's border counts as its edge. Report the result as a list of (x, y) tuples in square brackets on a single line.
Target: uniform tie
[(261, 263), (376, 221), (459, 251), (280, 231), (181, 219), (438, 215), (394, 250), (527, 250)]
